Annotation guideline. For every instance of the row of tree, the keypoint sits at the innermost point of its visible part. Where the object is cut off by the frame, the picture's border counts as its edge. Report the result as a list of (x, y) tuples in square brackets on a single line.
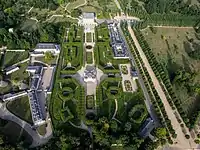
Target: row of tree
[(156, 101)]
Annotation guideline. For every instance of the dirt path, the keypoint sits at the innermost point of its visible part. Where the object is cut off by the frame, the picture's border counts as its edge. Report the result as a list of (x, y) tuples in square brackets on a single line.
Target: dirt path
[(173, 27), (116, 108), (182, 142)]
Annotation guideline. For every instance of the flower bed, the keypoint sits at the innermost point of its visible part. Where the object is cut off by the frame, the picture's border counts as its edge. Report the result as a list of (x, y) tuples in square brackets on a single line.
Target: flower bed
[(124, 69), (127, 85)]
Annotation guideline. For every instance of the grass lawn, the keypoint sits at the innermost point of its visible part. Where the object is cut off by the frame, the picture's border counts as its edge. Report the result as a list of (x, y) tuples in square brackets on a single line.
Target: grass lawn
[(21, 108), (62, 19), (29, 25), (15, 132), (75, 4), (20, 74), (90, 101), (89, 57), (89, 37), (42, 129), (14, 57), (48, 61), (7, 89), (170, 47)]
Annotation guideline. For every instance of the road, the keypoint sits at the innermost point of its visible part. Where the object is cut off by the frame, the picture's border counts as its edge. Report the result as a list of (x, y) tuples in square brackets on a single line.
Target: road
[(147, 100), (182, 142), (37, 139)]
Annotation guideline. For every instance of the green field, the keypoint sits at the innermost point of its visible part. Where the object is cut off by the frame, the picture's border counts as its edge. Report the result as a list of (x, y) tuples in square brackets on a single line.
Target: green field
[(21, 108), (172, 47), (89, 57), (42, 129), (14, 57), (75, 4), (89, 37)]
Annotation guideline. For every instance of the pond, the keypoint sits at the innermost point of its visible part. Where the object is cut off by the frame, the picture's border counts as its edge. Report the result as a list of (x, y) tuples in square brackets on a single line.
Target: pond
[(88, 47)]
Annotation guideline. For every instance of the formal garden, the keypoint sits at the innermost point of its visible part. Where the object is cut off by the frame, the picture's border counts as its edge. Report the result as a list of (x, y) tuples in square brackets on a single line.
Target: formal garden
[(73, 50), (128, 86), (69, 101), (90, 101), (124, 69), (89, 58), (103, 52)]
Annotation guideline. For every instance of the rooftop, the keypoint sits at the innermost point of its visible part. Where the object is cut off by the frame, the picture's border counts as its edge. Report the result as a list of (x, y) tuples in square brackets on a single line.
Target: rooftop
[(89, 15)]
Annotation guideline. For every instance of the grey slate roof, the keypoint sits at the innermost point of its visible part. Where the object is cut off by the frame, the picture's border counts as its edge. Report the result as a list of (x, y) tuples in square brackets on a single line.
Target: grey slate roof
[(88, 15)]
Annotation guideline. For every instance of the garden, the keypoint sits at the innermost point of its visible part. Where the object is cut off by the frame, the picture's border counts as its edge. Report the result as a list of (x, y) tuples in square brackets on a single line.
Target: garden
[(128, 86), (89, 37), (73, 51), (90, 101), (124, 69), (89, 57), (103, 52), (69, 101)]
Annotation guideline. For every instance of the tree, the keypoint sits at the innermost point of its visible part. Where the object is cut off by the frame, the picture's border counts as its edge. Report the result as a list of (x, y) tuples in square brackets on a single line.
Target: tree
[(160, 132), (114, 126), (127, 126)]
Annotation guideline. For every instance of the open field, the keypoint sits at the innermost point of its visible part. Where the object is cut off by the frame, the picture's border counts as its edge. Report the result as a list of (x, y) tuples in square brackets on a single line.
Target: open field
[(172, 47), (29, 25), (21, 108)]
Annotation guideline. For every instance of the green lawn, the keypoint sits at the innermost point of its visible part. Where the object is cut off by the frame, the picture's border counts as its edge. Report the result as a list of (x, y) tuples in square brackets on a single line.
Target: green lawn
[(90, 101), (21, 108), (170, 46), (89, 57), (73, 49), (20, 74), (89, 37), (68, 109), (14, 57), (75, 4), (42, 129)]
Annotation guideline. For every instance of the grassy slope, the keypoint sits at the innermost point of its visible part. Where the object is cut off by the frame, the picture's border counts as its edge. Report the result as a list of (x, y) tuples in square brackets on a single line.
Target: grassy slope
[(174, 36)]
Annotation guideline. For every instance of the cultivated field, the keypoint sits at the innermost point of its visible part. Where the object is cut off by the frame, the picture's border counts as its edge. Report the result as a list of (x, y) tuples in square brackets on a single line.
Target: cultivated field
[(171, 47)]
